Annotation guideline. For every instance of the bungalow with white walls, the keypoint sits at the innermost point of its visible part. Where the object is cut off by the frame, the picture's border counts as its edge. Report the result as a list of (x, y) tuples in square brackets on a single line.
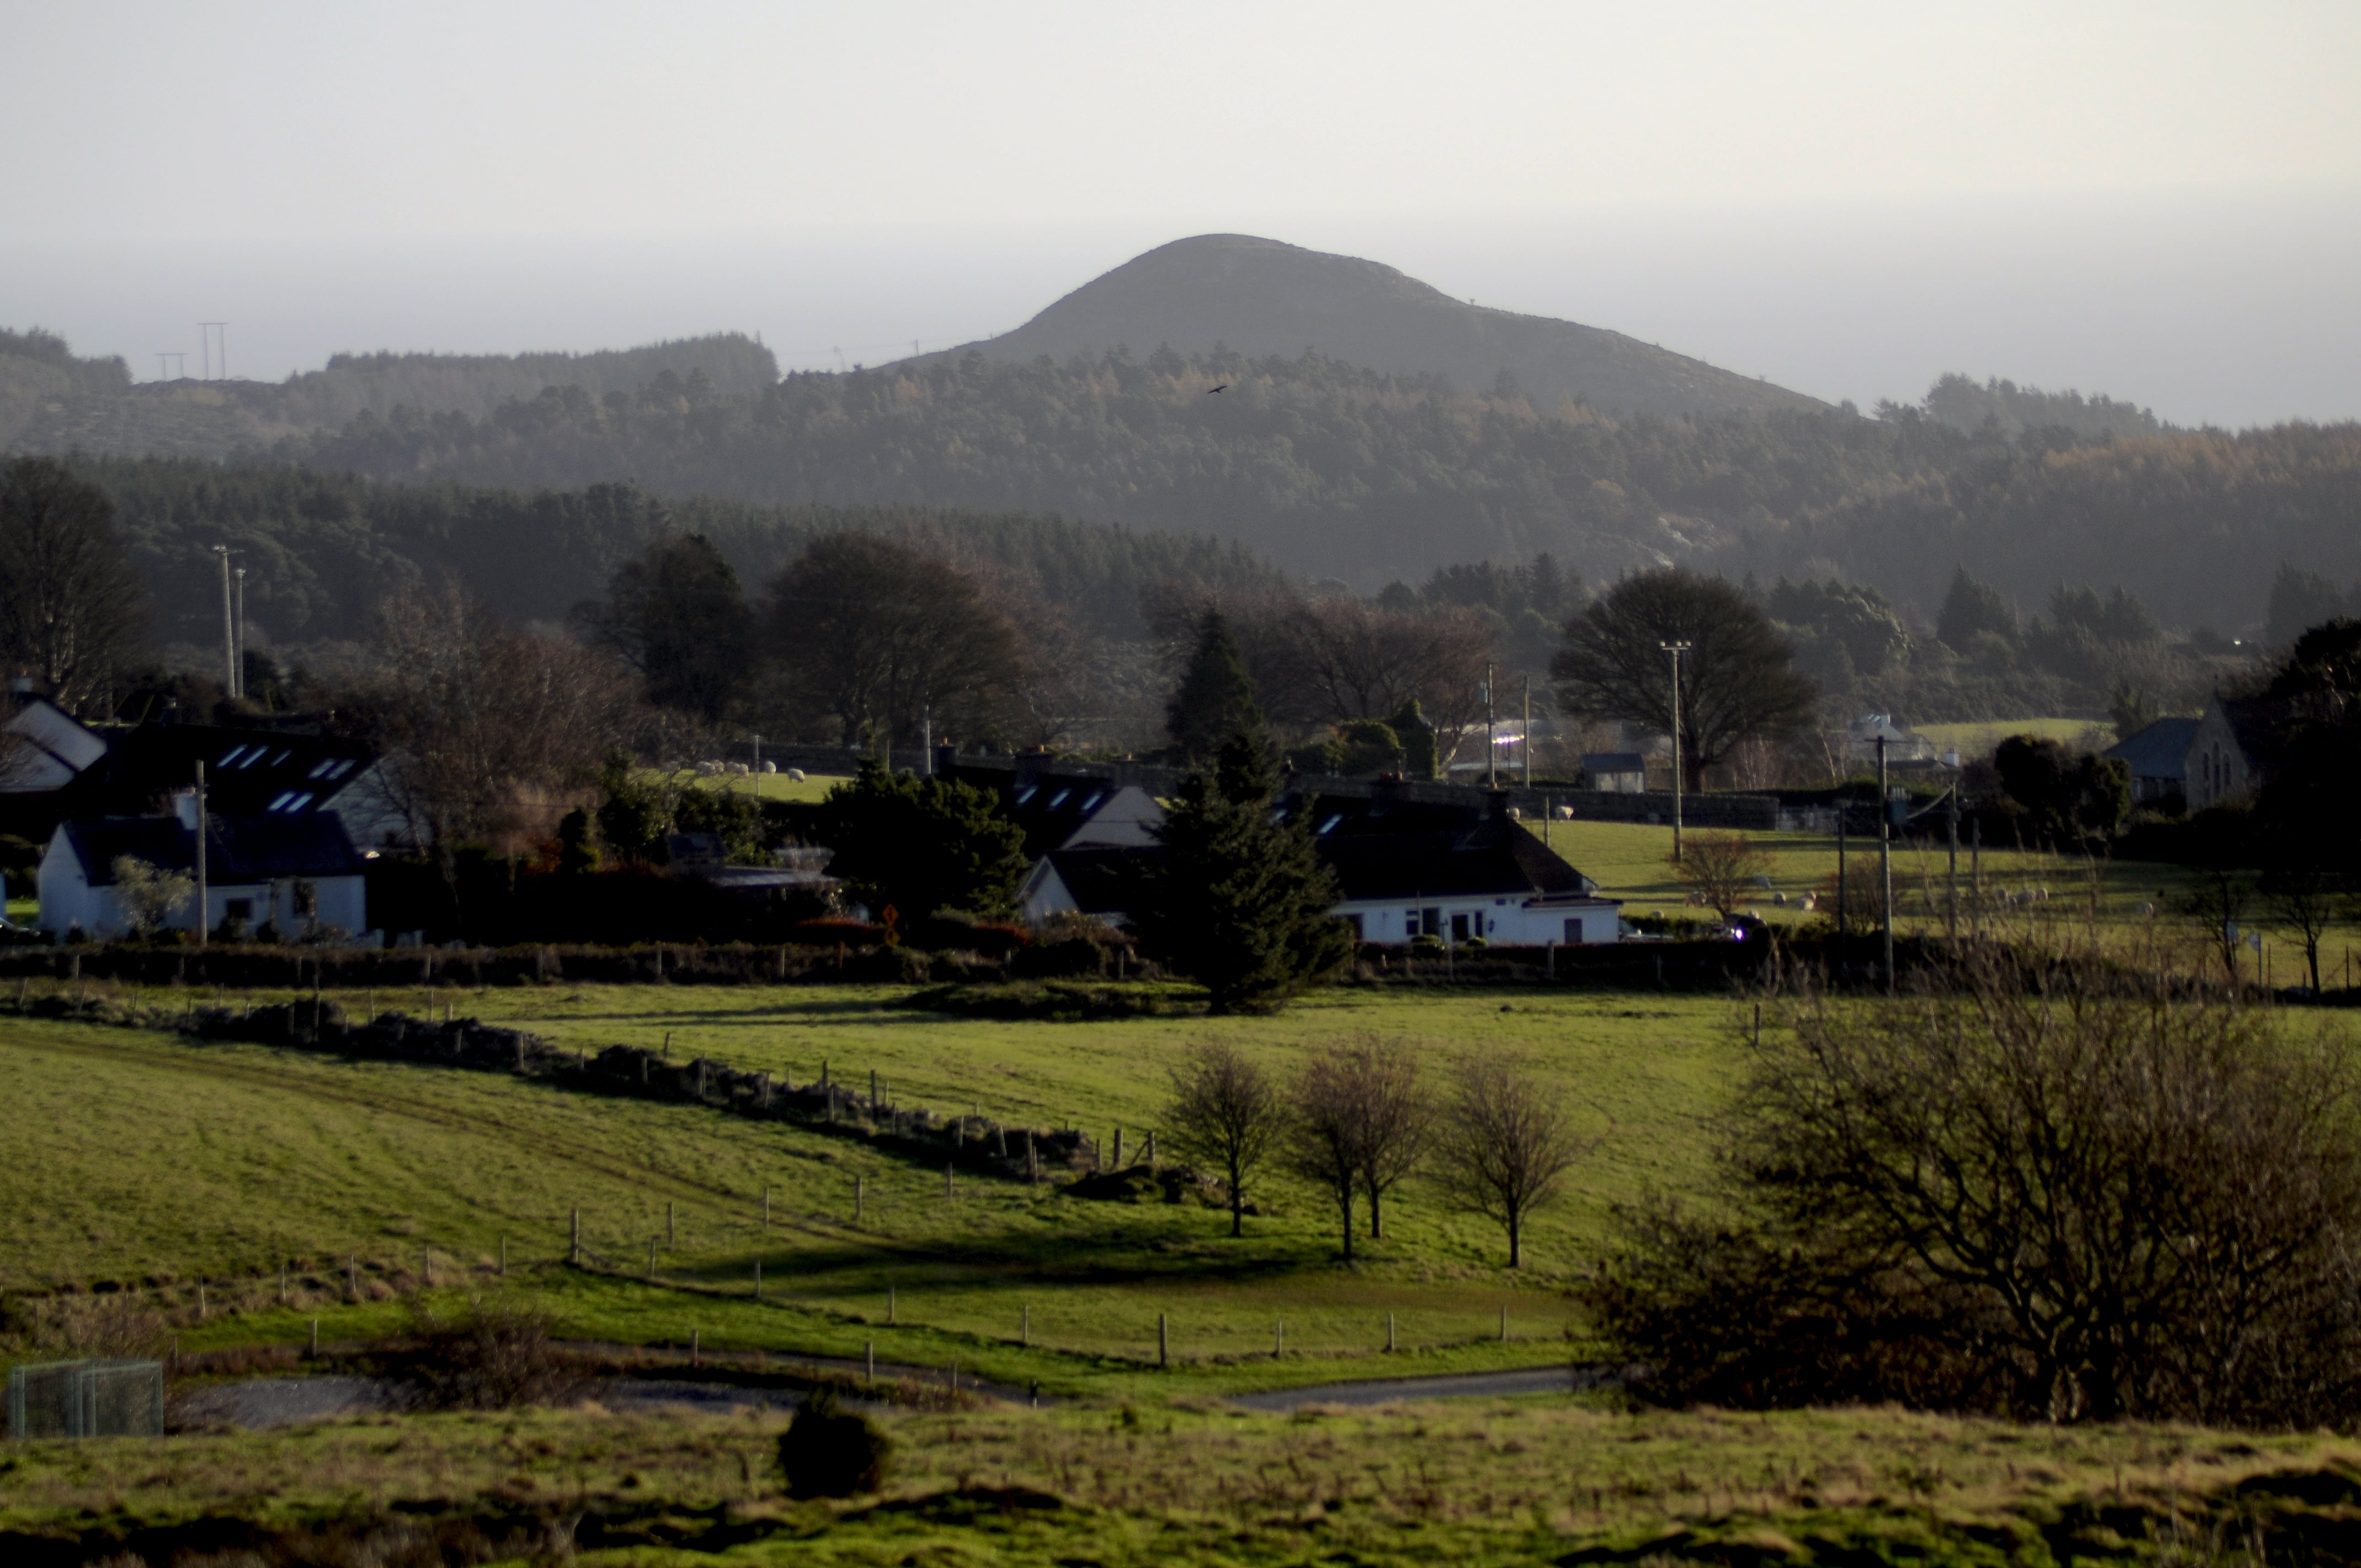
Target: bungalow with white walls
[(255, 868), (1407, 869)]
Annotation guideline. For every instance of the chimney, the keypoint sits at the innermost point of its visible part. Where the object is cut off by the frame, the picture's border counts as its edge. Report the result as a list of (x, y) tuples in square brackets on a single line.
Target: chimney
[(184, 807), (1031, 763), (945, 759)]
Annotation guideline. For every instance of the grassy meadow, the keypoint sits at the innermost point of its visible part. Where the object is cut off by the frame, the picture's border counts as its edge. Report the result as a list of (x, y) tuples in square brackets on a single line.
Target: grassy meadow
[(245, 1157), (1522, 1481)]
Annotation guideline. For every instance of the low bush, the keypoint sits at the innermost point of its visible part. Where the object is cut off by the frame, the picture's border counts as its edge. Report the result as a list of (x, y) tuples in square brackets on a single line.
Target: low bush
[(497, 1355), (2060, 1191), (831, 1451)]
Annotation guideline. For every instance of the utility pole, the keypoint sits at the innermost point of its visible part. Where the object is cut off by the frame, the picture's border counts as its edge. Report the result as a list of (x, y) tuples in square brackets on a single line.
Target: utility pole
[(1491, 748), (1676, 650), (1843, 800), (926, 741), (210, 331), (1529, 730), (229, 628), (237, 663), (1952, 818), (201, 921), (1885, 861)]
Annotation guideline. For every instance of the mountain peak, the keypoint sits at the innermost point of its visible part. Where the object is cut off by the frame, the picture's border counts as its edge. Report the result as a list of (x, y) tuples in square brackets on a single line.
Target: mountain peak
[(1263, 296)]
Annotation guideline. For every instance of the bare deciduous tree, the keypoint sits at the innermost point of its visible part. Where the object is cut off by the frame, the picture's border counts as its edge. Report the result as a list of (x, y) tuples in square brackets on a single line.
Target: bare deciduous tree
[(1738, 679), (2069, 1189), (1721, 868), (869, 635), (1324, 1138), (1225, 1113), (72, 608), (1507, 1144), (1361, 1125), (487, 732), (1396, 1119)]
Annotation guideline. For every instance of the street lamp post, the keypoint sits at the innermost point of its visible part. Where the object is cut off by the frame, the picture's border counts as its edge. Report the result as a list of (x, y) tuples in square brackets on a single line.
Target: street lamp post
[(1676, 650)]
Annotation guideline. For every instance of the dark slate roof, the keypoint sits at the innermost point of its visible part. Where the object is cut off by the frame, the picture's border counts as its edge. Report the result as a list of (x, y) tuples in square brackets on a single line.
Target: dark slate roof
[(2158, 751), (238, 849), (1103, 880), (1047, 807), (247, 770), (1380, 848), (1387, 849)]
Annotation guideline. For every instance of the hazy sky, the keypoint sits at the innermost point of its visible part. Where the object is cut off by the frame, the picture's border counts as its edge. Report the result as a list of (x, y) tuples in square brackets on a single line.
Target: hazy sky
[(2159, 201)]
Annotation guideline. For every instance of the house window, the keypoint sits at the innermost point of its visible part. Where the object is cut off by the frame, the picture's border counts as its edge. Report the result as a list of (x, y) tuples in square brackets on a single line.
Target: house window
[(237, 909), (1573, 928), (1459, 928)]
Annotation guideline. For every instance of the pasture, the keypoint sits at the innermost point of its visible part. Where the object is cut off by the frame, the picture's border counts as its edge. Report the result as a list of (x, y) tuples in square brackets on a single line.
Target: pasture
[(146, 1161), (1476, 1481)]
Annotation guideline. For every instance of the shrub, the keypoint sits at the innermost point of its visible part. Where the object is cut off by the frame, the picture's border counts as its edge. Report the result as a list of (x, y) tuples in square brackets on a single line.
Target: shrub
[(829, 1452), (496, 1356), (2065, 1191)]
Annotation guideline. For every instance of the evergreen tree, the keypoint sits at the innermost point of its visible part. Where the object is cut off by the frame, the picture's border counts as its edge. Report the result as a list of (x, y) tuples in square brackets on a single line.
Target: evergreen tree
[(1239, 900), (920, 845), (1971, 608), (1215, 700)]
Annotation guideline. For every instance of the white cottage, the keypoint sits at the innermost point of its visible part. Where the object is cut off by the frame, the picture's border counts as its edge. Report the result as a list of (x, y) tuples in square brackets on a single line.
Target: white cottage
[(1407, 869), (256, 868)]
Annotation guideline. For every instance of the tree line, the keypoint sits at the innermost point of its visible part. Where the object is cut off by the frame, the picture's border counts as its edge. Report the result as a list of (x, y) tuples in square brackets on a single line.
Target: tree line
[(1338, 471)]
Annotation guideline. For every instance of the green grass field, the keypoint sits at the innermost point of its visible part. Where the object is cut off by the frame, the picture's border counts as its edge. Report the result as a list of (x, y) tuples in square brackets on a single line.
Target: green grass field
[(766, 786), (1978, 738), (1523, 1482), (245, 1157)]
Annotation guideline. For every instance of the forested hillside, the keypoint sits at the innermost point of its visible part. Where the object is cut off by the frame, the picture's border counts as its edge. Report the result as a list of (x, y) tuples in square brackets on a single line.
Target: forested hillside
[(52, 402), (323, 549), (1337, 471), (1324, 468)]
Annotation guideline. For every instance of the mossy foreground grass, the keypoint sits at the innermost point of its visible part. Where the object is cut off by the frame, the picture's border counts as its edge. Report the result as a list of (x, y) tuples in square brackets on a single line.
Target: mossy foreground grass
[(1529, 1481)]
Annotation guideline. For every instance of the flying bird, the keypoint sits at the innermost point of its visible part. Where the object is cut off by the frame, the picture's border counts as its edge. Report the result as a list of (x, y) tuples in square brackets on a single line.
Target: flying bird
[(1223, 388)]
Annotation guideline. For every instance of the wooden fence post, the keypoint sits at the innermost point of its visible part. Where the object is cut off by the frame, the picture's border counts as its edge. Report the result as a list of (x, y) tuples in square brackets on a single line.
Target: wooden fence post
[(1163, 1341), (574, 1244)]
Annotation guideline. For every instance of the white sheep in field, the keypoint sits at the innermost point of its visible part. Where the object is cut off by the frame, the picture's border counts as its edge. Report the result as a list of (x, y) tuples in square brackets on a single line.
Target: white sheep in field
[(739, 770)]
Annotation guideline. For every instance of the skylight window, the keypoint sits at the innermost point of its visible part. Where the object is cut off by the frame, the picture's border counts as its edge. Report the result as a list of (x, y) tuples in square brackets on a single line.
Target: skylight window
[(1331, 822), (1092, 803), (1025, 794), (230, 756), (1058, 799), (279, 802)]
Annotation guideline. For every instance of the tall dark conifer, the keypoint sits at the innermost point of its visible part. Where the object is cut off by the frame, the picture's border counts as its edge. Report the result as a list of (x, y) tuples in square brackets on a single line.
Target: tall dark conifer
[(1216, 699), (1239, 900)]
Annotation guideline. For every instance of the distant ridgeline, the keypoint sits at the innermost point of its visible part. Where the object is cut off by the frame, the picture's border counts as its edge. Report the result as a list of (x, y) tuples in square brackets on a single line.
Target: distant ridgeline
[(323, 549), (1325, 468)]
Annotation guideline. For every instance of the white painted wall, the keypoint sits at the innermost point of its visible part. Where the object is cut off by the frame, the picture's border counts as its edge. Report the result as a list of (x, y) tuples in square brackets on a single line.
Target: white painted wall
[(1513, 921), (69, 900)]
